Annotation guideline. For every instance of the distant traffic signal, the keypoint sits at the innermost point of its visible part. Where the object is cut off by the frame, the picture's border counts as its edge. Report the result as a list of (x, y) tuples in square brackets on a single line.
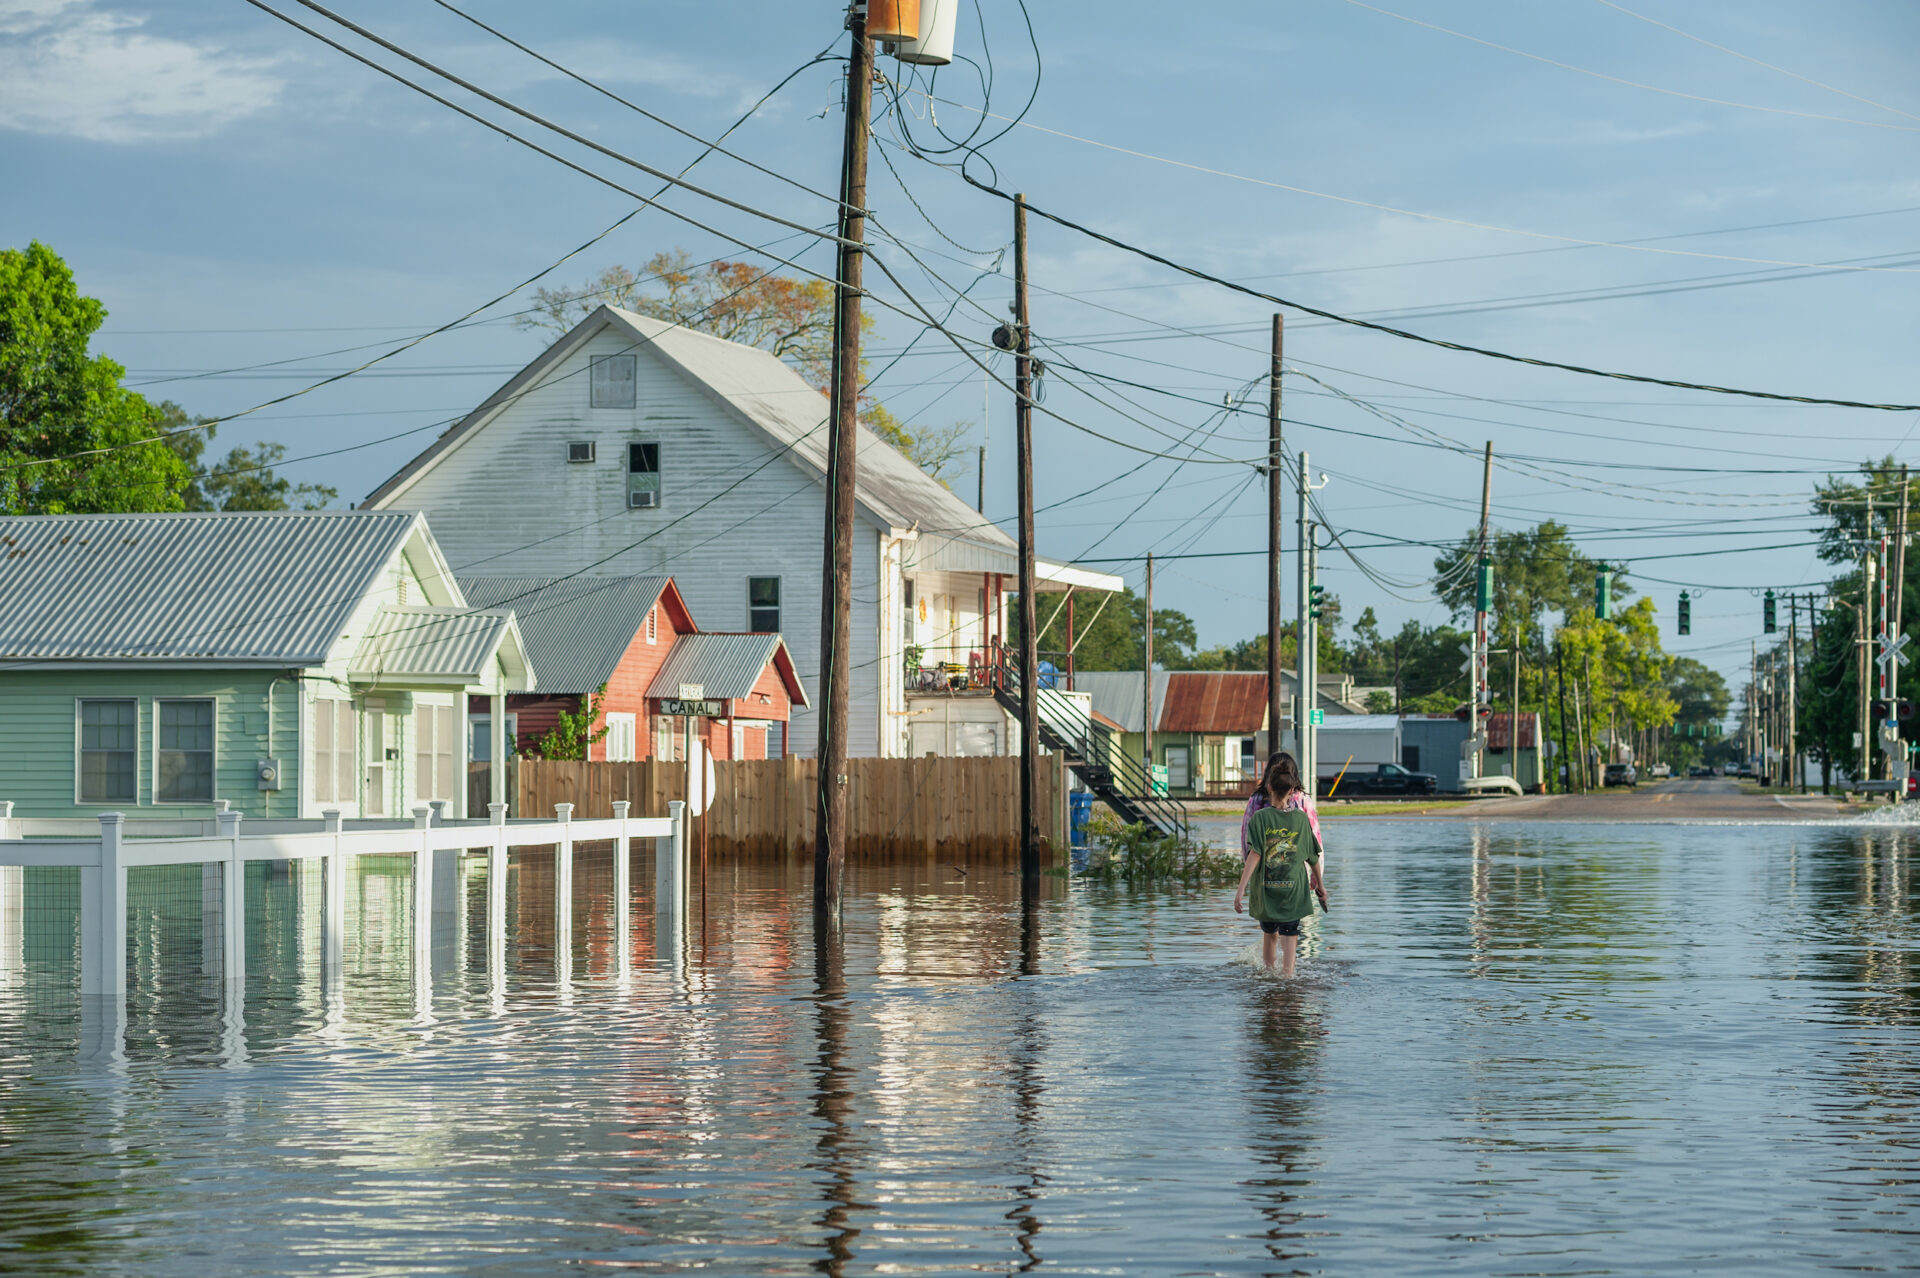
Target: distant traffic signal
[(1483, 586), (1686, 613), (1767, 613), (1316, 599), (1603, 594)]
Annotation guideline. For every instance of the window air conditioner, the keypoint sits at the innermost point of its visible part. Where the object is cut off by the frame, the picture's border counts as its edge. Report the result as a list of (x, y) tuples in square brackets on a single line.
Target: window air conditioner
[(580, 451), (643, 501)]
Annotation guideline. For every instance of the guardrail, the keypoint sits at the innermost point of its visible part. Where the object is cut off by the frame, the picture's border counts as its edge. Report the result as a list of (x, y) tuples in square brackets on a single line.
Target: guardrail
[(103, 850)]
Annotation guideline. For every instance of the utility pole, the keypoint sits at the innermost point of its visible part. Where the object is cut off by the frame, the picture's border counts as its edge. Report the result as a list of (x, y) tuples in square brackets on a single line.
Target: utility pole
[(1276, 476), (1310, 774), (1897, 754), (830, 838), (1029, 611), (1513, 714), (1793, 705), (1866, 644), (1560, 678), (986, 437), (1302, 655), (1147, 690), (1482, 602)]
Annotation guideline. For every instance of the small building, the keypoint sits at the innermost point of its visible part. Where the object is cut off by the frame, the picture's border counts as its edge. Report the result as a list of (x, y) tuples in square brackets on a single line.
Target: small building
[(1501, 759), (285, 663), (631, 643), (1433, 743)]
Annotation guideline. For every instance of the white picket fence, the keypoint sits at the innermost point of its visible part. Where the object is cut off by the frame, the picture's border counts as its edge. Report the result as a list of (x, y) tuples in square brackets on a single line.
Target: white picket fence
[(104, 850)]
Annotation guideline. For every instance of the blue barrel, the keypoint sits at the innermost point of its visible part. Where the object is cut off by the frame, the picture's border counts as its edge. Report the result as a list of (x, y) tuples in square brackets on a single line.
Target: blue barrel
[(1080, 812)]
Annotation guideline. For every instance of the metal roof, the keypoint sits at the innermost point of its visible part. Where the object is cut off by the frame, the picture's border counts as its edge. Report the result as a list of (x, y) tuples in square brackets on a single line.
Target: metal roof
[(431, 643), (1498, 729), (575, 629), (724, 665), (1118, 694), (1214, 701), (269, 587)]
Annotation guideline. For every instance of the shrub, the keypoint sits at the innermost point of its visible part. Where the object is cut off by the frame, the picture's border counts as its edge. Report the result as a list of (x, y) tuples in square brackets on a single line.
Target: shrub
[(1140, 854)]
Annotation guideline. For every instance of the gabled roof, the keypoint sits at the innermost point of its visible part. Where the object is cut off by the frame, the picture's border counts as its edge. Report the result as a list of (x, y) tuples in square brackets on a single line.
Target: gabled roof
[(1223, 701), (726, 665), (1119, 695), (447, 645), (268, 588), (576, 629), (764, 393)]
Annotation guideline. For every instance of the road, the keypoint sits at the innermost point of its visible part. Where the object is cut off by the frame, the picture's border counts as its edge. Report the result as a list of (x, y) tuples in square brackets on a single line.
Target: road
[(1711, 799)]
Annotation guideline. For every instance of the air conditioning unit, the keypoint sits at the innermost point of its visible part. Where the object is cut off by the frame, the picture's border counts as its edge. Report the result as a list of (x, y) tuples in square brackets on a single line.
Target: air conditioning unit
[(643, 501), (580, 450)]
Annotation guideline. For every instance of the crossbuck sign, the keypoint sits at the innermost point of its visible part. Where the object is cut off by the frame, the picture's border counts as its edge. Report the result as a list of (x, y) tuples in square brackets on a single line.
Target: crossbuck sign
[(1890, 650)]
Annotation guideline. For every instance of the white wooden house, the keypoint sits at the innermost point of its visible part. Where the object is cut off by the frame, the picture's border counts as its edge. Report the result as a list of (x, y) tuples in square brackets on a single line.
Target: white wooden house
[(634, 446)]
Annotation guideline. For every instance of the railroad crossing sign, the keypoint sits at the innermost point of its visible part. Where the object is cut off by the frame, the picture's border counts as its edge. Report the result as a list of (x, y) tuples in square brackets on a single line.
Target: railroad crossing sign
[(1466, 667), (1890, 650)]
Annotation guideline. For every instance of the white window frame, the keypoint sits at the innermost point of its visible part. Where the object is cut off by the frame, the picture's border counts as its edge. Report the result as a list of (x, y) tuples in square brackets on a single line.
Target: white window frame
[(588, 445), (479, 730), (339, 713), (433, 719), (621, 741), (78, 739), (374, 797), (213, 752), (597, 383), (779, 597)]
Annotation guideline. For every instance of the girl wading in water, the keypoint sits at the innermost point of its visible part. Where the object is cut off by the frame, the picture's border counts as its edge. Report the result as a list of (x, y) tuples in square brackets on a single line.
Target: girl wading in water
[(1281, 843)]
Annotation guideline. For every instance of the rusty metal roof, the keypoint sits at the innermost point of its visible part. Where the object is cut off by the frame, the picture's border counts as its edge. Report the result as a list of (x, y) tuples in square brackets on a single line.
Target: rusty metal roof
[(1497, 731), (1215, 702)]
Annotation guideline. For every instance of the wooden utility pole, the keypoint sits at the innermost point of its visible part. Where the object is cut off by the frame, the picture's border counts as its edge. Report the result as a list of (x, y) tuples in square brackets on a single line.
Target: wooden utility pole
[(1147, 702), (1866, 647), (1513, 713), (1482, 605), (1560, 682), (1276, 477), (1793, 708), (1303, 644), (1897, 761), (830, 829), (1029, 612)]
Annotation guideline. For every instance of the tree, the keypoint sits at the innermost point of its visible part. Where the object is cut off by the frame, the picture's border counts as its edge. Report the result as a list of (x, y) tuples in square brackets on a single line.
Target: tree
[(1422, 663), (571, 734), (244, 481), (1112, 640), (72, 439), (1829, 695), (782, 315), (1535, 571), (1844, 506), (1699, 694)]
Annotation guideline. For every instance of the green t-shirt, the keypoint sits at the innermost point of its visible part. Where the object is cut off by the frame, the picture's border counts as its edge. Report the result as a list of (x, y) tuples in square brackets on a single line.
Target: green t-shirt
[(1283, 839)]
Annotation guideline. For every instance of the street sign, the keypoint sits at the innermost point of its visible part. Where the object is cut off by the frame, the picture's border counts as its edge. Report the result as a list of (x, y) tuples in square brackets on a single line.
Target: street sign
[(691, 708), (1316, 717), (700, 780)]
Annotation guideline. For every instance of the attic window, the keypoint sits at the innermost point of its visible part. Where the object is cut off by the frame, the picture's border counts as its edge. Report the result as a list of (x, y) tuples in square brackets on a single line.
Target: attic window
[(653, 625), (580, 450), (613, 381)]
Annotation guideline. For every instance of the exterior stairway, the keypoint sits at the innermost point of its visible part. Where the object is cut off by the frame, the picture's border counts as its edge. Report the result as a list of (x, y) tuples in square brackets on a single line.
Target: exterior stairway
[(1092, 750)]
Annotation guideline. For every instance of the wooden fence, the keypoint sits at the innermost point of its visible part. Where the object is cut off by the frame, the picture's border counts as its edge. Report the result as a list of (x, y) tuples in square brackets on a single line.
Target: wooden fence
[(940, 808)]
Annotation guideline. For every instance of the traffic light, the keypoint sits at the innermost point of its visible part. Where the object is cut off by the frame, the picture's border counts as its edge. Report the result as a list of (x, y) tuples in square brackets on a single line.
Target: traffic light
[(1686, 613), (1767, 612), (1603, 594), (1483, 588), (1316, 597)]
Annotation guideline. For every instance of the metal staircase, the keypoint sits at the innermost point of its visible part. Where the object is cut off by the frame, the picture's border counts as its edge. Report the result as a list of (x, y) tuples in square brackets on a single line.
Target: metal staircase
[(1092, 750)]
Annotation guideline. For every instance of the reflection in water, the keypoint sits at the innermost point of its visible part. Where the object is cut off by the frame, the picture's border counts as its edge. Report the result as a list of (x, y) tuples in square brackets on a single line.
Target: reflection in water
[(1512, 1049)]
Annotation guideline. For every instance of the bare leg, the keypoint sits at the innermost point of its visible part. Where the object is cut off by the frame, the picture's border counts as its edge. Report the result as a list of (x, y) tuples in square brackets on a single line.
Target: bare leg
[(1267, 947), (1289, 946)]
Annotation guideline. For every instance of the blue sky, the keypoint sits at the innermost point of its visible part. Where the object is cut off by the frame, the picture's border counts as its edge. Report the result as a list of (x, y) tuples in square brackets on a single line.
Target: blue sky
[(238, 193)]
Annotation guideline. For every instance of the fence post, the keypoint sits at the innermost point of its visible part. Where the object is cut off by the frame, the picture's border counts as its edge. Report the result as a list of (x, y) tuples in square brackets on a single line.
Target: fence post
[(333, 900), (667, 893), (103, 915), (423, 884), (622, 890), (13, 911), (233, 901), (6, 819), (563, 893), (497, 891)]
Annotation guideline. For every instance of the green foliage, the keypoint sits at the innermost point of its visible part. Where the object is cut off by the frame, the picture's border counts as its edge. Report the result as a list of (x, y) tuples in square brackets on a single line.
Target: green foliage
[(1116, 638), (1843, 505), (244, 481), (1535, 571), (573, 733), (1136, 854), (1700, 695), (1423, 662), (1829, 691), (57, 400)]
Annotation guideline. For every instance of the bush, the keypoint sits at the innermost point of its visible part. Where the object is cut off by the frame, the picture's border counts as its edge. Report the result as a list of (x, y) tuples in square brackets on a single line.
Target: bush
[(1140, 854)]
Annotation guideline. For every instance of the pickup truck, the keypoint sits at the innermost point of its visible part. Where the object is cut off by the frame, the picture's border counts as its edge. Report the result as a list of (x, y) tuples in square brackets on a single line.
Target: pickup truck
[(1386, 778)]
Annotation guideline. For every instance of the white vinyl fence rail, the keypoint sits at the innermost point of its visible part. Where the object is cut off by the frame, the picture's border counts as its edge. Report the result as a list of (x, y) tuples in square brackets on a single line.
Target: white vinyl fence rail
[(104, 850)]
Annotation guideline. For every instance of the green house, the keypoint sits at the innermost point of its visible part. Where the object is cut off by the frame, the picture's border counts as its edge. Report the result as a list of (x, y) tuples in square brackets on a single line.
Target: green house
[(285, 663)]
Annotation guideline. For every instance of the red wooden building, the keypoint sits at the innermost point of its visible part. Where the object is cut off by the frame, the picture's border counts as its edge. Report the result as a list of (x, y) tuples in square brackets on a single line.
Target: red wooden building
[(634, 637)]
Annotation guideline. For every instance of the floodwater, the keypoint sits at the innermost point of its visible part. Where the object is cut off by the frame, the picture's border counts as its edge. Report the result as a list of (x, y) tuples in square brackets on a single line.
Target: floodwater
[(1512, 1049)]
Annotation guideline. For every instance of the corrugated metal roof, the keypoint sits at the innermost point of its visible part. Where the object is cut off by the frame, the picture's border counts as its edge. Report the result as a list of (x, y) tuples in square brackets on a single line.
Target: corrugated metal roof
[(724, 665), (1498, 731), (273, 587), (1118, 694), (574, 629), (431, 642), (1217, 701)]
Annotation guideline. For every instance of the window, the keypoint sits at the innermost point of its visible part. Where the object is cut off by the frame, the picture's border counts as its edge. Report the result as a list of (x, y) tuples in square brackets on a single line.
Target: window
[(433, 751), (620, 740), (184, 759), (907, 603), (333, 752), (666, 738), (109, 751), (480, 736), (613, 381), (643, 476), (580, 450), (653, 624), (763, 604)]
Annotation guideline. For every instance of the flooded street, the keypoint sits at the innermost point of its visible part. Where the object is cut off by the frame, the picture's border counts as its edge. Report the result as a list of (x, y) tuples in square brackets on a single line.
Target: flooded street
[(1513, 1049)]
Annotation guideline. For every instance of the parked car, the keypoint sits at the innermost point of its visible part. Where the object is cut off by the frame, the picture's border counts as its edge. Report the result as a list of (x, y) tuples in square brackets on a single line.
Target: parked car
[(1660, 771), (1699, 770), (1621, 774), (1391, 778)]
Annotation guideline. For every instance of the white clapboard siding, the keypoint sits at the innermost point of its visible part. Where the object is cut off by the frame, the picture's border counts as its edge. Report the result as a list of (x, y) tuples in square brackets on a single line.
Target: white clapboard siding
[(506, 501)]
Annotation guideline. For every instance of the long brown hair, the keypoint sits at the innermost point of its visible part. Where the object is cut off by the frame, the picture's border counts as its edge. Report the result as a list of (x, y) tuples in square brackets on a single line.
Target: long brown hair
[(1281, 779)]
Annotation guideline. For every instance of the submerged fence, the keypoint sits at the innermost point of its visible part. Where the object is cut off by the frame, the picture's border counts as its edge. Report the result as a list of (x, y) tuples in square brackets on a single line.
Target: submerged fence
[(942, 807), (76, 898)]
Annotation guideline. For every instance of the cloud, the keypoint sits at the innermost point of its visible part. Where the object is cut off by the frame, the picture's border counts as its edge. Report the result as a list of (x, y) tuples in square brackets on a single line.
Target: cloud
[(69, 69), (1620, 133)]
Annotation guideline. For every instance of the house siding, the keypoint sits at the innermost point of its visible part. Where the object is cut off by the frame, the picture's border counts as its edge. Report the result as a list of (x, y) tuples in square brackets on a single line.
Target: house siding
[(505, 500), (39, 747)]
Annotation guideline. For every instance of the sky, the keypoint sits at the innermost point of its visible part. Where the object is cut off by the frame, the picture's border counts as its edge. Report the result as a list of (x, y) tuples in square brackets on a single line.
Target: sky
[(1715, 193)]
